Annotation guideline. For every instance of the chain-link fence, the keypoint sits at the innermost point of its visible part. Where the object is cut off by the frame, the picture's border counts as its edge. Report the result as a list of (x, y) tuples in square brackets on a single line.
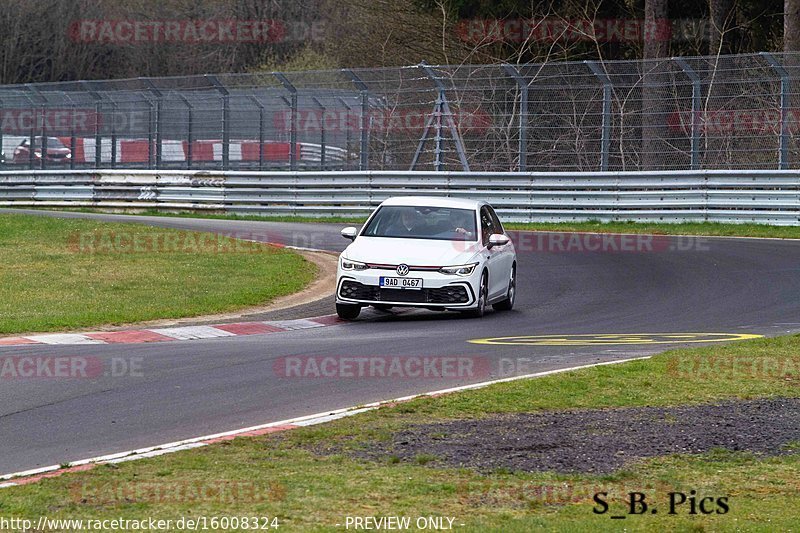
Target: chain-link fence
[(721, 112)]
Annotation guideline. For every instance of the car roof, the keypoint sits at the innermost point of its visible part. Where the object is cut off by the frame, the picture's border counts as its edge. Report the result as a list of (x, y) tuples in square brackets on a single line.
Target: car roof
[(434, 201)]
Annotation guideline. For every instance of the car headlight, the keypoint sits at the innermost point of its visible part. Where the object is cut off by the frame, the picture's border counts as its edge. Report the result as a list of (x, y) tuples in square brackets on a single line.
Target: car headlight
[(353, 265), (459, 270)]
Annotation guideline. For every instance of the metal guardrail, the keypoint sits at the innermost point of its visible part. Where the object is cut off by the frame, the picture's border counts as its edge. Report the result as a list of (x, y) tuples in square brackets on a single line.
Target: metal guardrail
[(760, 196)]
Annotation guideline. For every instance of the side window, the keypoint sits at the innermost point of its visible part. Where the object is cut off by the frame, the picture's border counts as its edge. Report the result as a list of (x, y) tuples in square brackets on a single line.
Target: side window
[(487, 225), (498, 227)]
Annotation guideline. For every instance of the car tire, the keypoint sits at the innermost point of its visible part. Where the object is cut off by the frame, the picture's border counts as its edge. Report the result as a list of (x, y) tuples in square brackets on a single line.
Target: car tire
[(348, 311), (483, 295), (511, 295)]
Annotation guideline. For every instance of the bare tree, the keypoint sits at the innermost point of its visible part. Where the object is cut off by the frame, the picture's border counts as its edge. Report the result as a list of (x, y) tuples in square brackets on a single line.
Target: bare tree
[(791, 25), (721, 14)]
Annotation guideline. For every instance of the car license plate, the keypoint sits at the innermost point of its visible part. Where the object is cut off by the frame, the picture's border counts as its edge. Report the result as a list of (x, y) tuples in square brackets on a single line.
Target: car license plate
[(401, 283)]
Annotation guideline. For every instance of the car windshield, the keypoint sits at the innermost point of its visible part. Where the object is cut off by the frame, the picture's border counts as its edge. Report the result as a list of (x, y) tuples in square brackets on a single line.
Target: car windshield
[(438, 223), (52, 143)]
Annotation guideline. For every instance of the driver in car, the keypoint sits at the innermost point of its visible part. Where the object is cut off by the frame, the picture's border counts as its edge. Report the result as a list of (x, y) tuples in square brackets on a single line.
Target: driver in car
[(408, 223)]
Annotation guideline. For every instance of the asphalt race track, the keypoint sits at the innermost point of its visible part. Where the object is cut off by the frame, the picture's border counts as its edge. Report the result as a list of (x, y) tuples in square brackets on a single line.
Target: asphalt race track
[(193, 388)]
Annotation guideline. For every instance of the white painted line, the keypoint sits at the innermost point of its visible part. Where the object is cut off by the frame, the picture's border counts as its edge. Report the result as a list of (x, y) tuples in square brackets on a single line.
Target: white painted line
[(301, 323), (188, 333), (280, 245), (308, 420), (28, 473), (332, 417), (64, 338), (156, 453)]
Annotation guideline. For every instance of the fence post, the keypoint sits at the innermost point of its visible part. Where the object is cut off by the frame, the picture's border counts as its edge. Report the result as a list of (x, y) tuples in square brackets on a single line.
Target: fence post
[(523, 115), (783, 152), (439, 150), (365, 125), (293, 133), (114, 108), (692, 75), (348, 134), (321, 133), (444, 109), (605, 135), (260, 131), (73, 138), (226, 119), (43, 126), (159, 117), (190, 133), (43, 147), (150, 128)]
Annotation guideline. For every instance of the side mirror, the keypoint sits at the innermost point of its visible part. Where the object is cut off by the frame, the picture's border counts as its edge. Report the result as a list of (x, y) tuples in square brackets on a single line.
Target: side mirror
[(350, 232), (497, 239)]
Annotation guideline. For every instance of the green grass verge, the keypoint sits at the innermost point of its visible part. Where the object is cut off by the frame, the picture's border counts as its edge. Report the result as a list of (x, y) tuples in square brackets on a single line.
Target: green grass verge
[(700, 228), (293, 477), (66, 274)]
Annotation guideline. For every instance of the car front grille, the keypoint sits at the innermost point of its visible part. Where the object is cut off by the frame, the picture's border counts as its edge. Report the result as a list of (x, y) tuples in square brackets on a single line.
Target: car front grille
[(358, 291), (452, 294)]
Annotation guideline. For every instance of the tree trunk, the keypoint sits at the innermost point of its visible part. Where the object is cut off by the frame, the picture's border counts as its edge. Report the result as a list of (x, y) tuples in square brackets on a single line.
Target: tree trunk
[(791, 25), (654, 113)]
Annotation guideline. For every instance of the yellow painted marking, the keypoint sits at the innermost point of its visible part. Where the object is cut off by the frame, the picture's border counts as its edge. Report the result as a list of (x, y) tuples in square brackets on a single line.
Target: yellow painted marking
[(603, 339)]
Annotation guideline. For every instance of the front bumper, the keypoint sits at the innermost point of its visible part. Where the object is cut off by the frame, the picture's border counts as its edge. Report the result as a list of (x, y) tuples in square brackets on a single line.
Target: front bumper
[(438, 290)]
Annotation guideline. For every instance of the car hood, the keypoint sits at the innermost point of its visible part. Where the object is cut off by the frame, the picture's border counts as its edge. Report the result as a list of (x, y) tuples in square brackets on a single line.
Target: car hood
[(413, 252)]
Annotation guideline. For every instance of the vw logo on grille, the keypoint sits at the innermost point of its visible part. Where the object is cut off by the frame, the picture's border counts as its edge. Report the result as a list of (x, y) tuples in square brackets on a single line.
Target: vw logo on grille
[(402, 269)]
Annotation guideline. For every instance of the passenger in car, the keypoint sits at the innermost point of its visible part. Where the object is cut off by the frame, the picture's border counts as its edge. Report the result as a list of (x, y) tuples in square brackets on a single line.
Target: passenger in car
[(408, 223)]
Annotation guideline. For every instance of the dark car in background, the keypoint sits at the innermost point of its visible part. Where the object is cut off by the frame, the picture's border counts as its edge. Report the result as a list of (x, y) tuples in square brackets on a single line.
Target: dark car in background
[(56, 152)]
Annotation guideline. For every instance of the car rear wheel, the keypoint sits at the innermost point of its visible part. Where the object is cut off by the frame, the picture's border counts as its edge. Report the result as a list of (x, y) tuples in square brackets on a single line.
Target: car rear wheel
[(508, 303), (348, 311)]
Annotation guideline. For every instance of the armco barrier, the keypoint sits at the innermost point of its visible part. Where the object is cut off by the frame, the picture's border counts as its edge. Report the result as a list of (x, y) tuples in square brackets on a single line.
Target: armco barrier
[(761, 196)]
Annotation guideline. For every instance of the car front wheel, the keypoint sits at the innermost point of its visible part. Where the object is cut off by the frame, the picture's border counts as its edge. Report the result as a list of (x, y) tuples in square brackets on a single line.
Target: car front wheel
[(483, 295), (508, 303), (348, 311)]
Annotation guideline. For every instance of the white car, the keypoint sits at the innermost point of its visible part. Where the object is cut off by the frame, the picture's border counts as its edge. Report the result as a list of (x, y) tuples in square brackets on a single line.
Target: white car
[(432, 253)]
